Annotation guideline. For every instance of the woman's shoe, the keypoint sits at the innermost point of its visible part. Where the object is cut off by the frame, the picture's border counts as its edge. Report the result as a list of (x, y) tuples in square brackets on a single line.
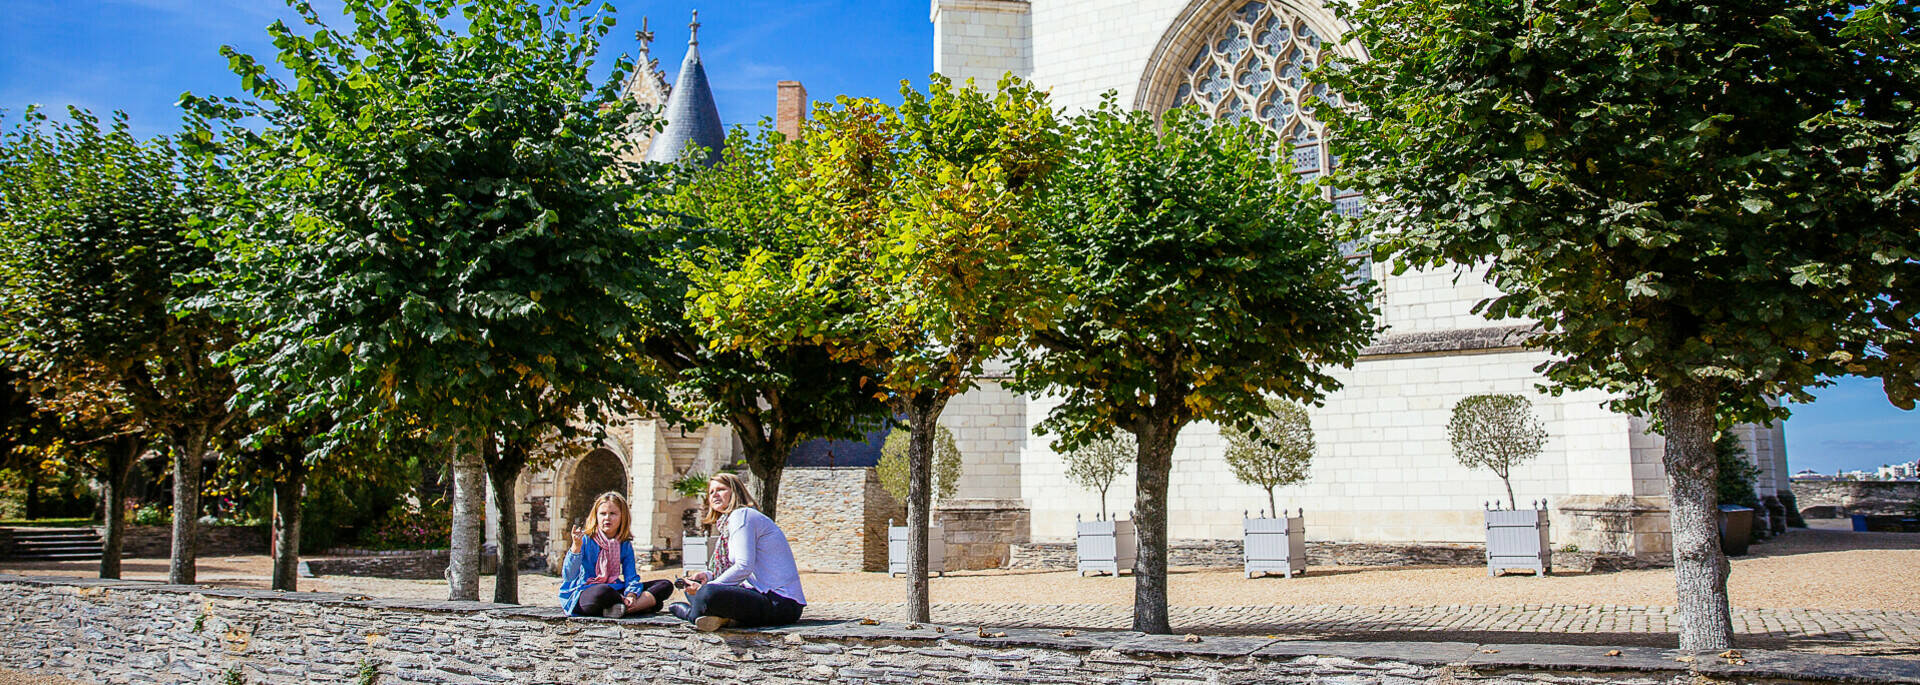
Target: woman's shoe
[(680, 610), (616, 611), (708, 624)]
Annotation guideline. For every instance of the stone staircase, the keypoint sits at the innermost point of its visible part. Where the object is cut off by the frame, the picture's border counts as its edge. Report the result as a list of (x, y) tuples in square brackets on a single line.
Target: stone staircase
[(53, 544), (683, 446)]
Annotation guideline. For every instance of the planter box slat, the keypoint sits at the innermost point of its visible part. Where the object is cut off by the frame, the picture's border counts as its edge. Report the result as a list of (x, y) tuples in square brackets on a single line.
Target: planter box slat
[(1276, 545), (1107, 546), (693, 554), (900, 558), (1518, 538)]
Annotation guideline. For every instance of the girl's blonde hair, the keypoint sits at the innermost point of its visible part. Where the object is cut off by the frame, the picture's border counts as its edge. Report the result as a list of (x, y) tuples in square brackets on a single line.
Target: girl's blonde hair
[(625, 531), (735, 484)]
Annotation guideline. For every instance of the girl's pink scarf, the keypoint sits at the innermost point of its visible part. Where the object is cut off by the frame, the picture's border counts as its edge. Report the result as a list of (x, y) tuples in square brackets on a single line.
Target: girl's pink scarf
[(607, 568)]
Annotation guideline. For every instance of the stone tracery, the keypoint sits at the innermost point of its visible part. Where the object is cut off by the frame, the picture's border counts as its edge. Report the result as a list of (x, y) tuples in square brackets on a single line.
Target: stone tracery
[(1255, 65)]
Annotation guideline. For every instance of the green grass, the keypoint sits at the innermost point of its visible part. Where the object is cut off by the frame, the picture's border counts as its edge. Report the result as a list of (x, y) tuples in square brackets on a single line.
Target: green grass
[(46, 523)]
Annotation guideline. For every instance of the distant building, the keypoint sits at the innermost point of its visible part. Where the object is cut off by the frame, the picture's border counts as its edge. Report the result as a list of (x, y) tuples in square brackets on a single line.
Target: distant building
[(1810, 474), (1907, 471)]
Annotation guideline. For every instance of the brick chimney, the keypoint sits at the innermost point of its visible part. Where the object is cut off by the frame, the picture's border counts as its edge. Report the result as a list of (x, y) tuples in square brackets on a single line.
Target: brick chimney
[(790, 109)]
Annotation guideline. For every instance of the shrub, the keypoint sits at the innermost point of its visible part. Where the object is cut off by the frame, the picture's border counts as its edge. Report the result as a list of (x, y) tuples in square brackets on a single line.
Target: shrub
[(892, 468), (402, 528), (151, 515)]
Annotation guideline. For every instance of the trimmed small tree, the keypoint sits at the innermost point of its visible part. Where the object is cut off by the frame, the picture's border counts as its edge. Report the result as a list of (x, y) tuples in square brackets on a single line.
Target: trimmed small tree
[(1274, 450), (1706, 206), (1496, 432), (893, 472), (1094, 466), (1202, 279)]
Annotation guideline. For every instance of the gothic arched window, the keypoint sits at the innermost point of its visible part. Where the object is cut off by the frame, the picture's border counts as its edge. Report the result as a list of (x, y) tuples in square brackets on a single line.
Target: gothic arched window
[(1255, 65)]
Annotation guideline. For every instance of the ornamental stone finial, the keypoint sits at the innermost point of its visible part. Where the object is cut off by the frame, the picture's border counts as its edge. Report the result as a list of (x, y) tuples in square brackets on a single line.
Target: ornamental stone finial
[(693, 32)]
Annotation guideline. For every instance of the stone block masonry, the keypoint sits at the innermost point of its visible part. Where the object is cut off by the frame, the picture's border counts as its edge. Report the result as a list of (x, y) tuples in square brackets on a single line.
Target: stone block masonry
[(1840, 498), (836, 518), (156, 542), (125, 632)]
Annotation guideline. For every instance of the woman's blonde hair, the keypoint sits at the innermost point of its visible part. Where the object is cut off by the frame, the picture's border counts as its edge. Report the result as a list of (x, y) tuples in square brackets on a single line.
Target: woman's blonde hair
[(735, 484), (625, 531)]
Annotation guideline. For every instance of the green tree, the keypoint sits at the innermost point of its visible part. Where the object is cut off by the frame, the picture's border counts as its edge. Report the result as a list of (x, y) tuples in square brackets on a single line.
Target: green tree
[(1496, 432), (1204, 280), (436, 235), (1094, 465), (1274, 450), (893, 471), (915, 256), (95, 246), (773, 398), (1705, 205)]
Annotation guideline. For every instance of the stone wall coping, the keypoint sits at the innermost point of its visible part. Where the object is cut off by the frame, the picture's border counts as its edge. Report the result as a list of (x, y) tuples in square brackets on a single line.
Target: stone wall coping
[(1761, 664)]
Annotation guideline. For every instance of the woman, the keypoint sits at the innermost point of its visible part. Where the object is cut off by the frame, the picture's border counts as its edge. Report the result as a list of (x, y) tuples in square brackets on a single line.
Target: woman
[(598, 579), (757, 583)]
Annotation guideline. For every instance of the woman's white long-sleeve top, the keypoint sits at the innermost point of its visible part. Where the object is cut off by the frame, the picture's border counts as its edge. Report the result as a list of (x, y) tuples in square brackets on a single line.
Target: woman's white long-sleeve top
[(760, 554)]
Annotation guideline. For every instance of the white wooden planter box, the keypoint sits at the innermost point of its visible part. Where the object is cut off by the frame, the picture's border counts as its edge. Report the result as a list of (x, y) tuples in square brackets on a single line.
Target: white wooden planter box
[(1276, 545), (900, 556), (693, 554), (1517, 538), (1107, 546)]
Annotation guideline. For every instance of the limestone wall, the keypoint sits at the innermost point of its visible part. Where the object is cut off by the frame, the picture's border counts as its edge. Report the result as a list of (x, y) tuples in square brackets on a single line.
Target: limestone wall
[(146, 633), (836, 518), (981, 39)]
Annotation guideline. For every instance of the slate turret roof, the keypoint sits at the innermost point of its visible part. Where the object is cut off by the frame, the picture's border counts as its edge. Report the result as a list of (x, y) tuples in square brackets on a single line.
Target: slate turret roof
[(692, 118)]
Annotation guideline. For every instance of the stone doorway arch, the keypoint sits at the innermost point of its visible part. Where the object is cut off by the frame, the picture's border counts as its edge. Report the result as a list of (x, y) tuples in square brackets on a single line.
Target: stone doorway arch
[(599, 472)]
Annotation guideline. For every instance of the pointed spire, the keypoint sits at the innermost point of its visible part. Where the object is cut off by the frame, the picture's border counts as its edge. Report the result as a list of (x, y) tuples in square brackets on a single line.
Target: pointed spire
[(692, 117)]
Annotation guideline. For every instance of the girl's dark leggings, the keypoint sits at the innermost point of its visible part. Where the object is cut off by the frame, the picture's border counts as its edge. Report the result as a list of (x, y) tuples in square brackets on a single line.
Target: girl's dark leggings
[(749, 608), (595, 599)]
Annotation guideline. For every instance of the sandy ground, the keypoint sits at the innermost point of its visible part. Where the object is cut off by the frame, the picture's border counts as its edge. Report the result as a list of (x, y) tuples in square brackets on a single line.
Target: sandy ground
[(1818, 569), (8, 677)]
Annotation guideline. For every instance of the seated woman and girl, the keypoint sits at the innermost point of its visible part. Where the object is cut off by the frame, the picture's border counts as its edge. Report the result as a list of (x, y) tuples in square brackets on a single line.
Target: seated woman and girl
[(755, 581), (598, 577)]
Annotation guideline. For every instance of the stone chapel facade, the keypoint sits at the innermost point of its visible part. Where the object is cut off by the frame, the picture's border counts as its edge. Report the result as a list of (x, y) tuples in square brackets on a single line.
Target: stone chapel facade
[(1384, 473)]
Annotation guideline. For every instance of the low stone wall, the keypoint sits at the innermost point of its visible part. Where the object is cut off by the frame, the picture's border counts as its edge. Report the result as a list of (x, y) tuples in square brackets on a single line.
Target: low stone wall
[(1843, 498), (1228, 554), (1621, 525), (156, 542), (836, 517), (414, 565), (981, 533), (147, 633)]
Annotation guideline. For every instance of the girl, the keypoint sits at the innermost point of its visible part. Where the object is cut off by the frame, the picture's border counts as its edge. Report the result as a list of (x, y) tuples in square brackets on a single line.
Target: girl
[(597, 578), (758, 584)]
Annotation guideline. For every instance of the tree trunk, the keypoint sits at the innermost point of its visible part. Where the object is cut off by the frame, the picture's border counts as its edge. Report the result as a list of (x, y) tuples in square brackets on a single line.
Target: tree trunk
[(504, 475), (1155, 464), (1510, 501), (33, 508), (190, 447), (1699, 566), (469, 514), (120, 457), (923, 417), (286, 522), (770, 488), (1272, 506)]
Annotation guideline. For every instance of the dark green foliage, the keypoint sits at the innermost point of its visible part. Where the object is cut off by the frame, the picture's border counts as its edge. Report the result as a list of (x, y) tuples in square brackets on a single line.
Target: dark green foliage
[(1201, 280), (1736, 473)]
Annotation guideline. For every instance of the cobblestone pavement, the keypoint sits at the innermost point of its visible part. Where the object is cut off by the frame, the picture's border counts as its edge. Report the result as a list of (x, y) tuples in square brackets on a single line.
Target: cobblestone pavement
[(1856, 631)]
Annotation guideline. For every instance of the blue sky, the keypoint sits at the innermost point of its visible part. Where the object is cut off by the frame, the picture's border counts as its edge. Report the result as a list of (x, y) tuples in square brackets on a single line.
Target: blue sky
[(140, 55)]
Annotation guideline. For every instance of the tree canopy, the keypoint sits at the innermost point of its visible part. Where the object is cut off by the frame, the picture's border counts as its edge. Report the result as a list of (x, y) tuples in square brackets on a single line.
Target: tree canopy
[(438, 231), (1706, 206)]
